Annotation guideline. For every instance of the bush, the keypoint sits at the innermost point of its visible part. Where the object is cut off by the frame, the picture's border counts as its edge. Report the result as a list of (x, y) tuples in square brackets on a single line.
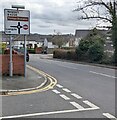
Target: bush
[(32, 50), (106, 60), (64, 54), (82, 49), (113, 59), (68, 48), (91, 48), (60, 54), (81, 55), (96, 52), (2, 51), (71, 55)]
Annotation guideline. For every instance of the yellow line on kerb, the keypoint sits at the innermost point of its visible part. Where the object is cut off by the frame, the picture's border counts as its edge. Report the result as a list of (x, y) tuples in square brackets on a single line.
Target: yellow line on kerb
[(53, 82)]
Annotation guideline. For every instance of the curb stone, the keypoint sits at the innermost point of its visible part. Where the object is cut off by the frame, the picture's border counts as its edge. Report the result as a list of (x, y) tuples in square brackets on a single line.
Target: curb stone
[(5, 92), (85, 63)]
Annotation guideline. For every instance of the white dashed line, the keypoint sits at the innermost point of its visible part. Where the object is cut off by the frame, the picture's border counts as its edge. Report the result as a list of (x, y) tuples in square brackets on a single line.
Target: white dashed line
[(76, 105), (56, 91), (66, 90), (90, 104), (65, 97), (60, 86), (76, 96), (108, 115), (67, 66), (103, 74)]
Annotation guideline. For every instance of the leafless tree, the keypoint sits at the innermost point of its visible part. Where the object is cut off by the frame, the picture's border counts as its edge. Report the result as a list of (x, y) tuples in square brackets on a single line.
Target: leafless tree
[(97, 9), (105, 10)]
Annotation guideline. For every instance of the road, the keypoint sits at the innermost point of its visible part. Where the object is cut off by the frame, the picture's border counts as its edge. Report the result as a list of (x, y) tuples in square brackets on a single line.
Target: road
[(82, 91)]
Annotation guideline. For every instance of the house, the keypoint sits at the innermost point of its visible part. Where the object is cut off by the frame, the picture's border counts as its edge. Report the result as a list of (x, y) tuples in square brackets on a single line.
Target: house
[(108, 46), (32, 41), (80, 34)]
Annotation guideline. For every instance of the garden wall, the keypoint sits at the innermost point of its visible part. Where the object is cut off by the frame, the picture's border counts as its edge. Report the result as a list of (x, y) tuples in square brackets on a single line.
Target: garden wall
[(18, 64)]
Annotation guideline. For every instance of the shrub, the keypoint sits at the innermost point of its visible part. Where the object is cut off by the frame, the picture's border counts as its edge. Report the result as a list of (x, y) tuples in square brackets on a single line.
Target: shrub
[(81, 55), (68, 48), (59, 54), (96, 52), (82, 50), (106, 59), (32, 50), (91, 48), (64, 54), (113, 59), (71, 55)]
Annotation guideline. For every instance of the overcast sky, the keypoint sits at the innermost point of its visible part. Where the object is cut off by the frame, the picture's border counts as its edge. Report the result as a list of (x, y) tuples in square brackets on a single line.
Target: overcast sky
[(49, 16)]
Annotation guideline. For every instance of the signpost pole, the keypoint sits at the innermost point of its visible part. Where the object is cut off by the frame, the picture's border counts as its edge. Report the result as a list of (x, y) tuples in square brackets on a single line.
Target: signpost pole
[(25, 51), (11, 62), (17, 22)]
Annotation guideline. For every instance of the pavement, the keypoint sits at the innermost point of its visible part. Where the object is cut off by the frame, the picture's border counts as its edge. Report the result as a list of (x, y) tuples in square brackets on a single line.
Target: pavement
[(50, 57), (21, 83)]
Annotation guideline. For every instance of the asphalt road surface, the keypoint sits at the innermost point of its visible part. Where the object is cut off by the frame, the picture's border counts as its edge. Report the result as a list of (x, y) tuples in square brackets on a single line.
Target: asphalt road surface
[(82, 91)]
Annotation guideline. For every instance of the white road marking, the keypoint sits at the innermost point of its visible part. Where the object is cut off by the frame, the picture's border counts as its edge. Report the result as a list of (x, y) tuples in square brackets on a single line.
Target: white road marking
[(48, 113), (90, 104), (60, 86), (108, 115), (56, 91), (65, 97), (39, 77), (66, 90), (76, 105), (103, 74), (76, 96), (67, 66)]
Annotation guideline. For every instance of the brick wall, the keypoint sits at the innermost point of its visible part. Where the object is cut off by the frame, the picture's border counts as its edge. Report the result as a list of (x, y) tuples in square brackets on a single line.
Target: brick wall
[(38, 50), (18, 64)]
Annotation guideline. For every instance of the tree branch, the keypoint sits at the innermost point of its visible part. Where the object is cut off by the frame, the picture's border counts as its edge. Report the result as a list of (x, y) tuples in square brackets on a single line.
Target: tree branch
[(94, 4), (96, 17)]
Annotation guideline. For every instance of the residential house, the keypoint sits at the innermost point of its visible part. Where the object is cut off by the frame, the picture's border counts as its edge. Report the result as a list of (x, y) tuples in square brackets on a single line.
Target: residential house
[(80, 34)]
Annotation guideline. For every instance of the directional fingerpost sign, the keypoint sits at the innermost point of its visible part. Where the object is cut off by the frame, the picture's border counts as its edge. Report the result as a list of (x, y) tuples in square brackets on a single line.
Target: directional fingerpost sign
[(16, 21)]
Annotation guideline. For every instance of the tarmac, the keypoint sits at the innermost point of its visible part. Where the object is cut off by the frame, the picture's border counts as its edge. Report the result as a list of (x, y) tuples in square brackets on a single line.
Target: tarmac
[(32, 81), (21, 83)]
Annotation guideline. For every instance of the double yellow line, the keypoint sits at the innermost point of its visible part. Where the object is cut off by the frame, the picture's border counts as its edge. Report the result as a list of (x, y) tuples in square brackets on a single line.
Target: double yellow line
[(52, 82)]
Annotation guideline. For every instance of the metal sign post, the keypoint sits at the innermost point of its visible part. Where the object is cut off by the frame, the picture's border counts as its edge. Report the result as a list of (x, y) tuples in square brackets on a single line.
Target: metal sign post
[(11, 61), (17, 22), (25, 51)]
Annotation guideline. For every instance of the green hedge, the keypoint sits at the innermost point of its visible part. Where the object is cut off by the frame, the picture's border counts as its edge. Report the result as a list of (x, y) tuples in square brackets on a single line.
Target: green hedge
[(32, 50), (96, 52), (65, 54), (1, 51)]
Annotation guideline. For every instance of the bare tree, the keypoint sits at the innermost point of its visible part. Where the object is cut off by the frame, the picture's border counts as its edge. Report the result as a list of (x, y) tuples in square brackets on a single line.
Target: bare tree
[(58, 39), (105, 10)]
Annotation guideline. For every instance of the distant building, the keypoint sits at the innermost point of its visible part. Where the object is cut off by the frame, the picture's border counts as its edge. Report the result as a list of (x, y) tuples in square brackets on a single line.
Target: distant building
[(35, 40)]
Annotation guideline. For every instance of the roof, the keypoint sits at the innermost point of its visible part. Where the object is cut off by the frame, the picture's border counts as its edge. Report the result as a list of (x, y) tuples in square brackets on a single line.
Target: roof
[(83, 33), (33, 37)]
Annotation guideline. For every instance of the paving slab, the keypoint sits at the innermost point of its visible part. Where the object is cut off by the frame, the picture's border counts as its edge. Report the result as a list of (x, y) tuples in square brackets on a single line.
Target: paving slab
[(16, 82)]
